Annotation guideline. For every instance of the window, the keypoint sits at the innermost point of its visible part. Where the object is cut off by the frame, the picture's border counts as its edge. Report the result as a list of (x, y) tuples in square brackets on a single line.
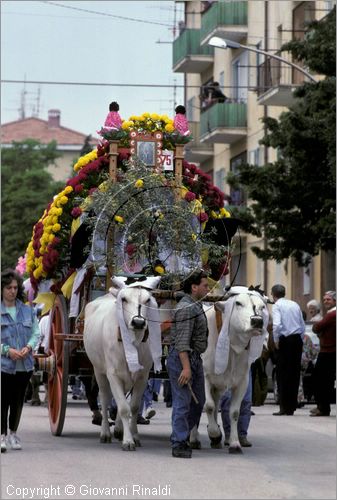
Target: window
[(191, 109), (222, 81), (220, 177), (237, 195), (240, 78), (256, 156), (238, 268)]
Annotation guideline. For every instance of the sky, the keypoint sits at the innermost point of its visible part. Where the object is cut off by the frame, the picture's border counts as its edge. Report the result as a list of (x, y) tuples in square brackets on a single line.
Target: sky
[(105, 42)]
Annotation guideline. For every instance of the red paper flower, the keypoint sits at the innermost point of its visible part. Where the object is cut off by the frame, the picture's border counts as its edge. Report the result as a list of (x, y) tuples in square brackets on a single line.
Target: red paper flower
[(76, 212), (189, 196), (203, 217)]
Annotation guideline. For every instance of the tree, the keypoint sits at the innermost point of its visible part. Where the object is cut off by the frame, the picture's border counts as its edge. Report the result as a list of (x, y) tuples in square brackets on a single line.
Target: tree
[(26, 189), (293, 199), (87, 147)]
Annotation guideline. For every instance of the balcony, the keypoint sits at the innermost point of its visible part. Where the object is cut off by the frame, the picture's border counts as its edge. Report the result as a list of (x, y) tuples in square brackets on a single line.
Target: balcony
[(188, 55), (226, 20), (197, 151), (224, 123), (276, 83)]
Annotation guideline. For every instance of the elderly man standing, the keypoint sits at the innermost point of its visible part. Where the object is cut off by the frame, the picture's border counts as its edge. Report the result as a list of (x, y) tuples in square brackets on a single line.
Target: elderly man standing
[(288, 333), (325, 368)]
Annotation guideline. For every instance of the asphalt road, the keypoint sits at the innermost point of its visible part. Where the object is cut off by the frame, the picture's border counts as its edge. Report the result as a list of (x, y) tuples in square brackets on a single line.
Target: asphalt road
[(292, 457)]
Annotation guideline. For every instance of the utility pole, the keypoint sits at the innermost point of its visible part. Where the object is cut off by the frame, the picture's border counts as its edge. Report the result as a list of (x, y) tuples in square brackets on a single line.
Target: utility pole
[(22, 109)]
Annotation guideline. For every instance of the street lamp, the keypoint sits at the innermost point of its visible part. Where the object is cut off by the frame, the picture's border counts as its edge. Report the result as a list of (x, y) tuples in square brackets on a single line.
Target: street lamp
[(224, 43)]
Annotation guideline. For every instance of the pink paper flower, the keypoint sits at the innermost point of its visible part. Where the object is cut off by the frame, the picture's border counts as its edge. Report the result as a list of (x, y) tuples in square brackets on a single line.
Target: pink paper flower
[(21, 265)]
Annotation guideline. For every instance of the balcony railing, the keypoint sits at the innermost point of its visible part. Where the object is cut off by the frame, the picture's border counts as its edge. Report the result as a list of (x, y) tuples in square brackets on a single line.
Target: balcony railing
[(189, 55), (224, 122), (221, 18), (276, 82)]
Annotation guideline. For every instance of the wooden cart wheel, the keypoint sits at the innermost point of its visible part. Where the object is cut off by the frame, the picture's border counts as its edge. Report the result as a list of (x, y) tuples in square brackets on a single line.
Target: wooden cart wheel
[(58, 381)]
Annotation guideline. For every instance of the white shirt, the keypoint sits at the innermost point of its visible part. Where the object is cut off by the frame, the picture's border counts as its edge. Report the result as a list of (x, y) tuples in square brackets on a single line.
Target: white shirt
[(287, 319)]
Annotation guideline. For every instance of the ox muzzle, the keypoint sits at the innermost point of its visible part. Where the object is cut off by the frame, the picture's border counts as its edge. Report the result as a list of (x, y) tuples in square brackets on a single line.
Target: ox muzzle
[(138, 322), (256, 321)]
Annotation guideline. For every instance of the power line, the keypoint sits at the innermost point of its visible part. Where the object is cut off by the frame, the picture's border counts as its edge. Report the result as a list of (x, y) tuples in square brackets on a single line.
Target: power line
[(100, 84), (106, 14)]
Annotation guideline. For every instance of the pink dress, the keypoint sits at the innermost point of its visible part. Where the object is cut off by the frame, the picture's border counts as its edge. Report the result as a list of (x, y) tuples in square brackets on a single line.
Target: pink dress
[(181, 124), (113, 120)]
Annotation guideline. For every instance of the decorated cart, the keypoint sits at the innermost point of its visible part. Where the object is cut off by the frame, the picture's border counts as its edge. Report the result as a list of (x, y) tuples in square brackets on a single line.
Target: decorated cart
[(134, 208)]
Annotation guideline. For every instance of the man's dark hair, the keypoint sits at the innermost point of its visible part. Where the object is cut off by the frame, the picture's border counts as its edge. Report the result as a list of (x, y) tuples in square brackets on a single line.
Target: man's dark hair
[(7, 276), (278, 291), (193, 279), (114, 106), (180, 109)]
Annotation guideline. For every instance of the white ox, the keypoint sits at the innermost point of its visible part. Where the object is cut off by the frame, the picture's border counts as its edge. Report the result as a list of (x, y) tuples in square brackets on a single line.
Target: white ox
[(228, 357), (115, 339)]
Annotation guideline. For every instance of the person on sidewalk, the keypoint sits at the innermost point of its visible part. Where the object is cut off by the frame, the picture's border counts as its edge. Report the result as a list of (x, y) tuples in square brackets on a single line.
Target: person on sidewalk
[(244, 417), (288, 333), (146, 402), (189, 334), (314, 311), (19, 336), (325, 367)]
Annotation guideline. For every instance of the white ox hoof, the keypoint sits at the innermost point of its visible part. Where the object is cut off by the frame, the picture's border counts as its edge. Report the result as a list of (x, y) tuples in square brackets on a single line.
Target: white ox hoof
[(128, 446)]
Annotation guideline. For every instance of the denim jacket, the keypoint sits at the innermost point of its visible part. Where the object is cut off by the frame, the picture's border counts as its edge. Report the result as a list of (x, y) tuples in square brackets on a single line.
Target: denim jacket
[(16, 334)]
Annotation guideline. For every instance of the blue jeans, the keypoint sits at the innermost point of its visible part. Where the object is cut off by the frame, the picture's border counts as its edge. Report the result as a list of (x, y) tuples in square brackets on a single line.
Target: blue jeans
[(186, 413), (153, 385), (245, 410)]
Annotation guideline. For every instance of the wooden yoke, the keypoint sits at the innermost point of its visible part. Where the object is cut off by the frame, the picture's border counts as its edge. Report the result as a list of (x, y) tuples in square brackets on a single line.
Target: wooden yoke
[(113, 155)]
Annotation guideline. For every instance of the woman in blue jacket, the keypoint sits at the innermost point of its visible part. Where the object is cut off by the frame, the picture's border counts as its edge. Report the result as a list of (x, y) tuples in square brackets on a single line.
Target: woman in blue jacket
[(19, 336)]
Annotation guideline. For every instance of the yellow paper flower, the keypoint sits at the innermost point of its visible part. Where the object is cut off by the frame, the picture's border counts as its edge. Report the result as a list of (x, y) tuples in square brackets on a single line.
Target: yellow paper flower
[(119, 219), (84, 160), (63, 200), (139, 183), (159, 269), (224, 212), (104, 186), (56, 228), (169, 128)]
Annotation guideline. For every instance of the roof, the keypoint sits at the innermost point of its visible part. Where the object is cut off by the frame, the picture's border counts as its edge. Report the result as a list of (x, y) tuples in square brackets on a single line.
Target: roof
[(35, 128)]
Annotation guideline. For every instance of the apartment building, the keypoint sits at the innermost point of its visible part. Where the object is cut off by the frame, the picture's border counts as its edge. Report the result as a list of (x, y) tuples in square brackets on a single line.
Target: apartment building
[(228, 133)]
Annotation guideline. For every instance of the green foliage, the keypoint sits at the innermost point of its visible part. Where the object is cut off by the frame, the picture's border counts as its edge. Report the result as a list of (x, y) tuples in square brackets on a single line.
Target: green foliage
[(26, 188), (87, 147), (293, 199)]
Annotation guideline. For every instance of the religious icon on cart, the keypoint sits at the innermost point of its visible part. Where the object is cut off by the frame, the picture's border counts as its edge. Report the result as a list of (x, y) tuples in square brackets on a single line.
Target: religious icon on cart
[(146, 152)]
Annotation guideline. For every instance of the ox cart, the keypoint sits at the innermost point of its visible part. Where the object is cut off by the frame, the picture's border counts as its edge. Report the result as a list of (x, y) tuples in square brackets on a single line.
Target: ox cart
[(51, 261)]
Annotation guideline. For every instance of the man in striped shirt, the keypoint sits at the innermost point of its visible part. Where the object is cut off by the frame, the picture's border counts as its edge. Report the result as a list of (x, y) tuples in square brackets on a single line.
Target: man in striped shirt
[(189, 340)]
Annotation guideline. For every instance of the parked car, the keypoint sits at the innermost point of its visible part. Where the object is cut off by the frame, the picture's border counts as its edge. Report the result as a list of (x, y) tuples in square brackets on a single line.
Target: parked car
[(307, 367)]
